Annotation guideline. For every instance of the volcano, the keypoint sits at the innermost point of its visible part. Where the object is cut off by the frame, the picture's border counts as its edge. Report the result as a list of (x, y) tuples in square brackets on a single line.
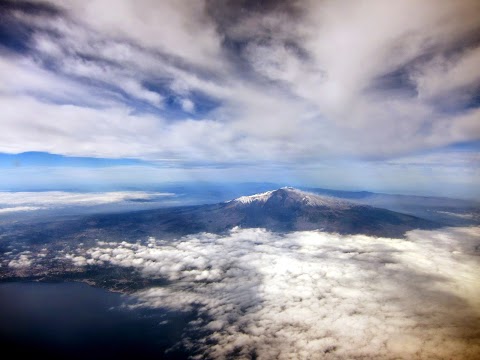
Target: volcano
[(281, 210)]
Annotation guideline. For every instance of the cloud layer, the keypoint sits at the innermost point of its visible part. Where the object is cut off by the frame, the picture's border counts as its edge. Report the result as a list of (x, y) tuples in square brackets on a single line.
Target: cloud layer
[(30, 201), (314, 294), (236, 82)]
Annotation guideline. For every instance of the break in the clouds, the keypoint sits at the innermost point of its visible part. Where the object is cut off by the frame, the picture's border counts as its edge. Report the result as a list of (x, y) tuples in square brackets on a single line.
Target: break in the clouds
[(313, 294), (239, 81)]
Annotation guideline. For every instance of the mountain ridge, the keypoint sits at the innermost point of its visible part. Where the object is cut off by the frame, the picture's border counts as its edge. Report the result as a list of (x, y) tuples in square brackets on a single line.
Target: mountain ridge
[(281, 210), (294, 195)]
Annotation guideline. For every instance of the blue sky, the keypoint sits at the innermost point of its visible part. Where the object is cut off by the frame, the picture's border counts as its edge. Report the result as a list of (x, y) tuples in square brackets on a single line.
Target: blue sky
[(340, 94)]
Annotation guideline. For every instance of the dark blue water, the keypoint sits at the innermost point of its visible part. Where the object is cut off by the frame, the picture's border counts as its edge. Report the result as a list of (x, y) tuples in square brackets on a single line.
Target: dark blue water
[(74, 320)]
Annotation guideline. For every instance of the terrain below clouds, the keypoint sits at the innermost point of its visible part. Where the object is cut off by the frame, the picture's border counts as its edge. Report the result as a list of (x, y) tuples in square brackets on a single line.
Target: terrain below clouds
[(277, 275), (306, 294)]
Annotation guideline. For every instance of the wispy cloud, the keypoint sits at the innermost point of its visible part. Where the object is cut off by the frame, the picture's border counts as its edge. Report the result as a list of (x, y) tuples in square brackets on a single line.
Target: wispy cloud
[(47, 200), (289, 81), (14, 209), (314, 294)]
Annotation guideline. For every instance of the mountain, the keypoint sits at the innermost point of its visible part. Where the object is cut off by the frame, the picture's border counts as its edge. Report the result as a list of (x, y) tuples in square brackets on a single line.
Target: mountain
[(289, 209), (447, 211), (285, 209)]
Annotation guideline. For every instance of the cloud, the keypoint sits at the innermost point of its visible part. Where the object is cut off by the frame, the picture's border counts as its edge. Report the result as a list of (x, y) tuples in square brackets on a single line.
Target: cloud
[(313, 294), (180, 28), (19, 208), (31, 201), (22, 261), (22, 76), (285, 82), (188, 105), (460, 215), (444, 76)]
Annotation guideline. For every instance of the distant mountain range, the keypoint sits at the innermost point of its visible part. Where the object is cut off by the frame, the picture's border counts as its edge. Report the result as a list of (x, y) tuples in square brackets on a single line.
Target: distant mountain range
[(447, 211), (284, 209)]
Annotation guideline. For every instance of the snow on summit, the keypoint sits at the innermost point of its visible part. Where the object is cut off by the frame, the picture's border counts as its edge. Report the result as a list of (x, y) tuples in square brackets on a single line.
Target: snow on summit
[(289, 195), (260, 198)]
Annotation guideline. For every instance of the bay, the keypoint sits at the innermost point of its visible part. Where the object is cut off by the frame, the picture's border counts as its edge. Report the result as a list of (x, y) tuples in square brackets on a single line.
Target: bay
[(75, 320)]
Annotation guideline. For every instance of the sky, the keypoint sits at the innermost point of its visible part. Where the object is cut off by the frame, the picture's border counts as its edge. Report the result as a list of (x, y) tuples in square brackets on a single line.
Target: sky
[(360, 95)]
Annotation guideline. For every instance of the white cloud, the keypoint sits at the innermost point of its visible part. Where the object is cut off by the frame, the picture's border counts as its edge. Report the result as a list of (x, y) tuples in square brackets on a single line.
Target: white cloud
[(22, 76), (314, 81), (22, 261), (110, 75), (460, 215), (5, 210), (314, 294), (442, 76), (104, 128), (30, 201), (180, 28), (188, 105)]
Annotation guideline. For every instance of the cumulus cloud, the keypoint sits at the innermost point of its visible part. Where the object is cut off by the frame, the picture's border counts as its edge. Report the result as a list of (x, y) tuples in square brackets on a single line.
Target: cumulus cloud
[(313, 294), (22, 261), (30, 201), (283, 81)]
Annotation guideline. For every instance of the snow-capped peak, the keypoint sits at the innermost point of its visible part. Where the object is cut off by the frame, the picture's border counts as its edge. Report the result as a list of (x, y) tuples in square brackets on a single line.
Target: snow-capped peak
[(292, 195), (262, 197)]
